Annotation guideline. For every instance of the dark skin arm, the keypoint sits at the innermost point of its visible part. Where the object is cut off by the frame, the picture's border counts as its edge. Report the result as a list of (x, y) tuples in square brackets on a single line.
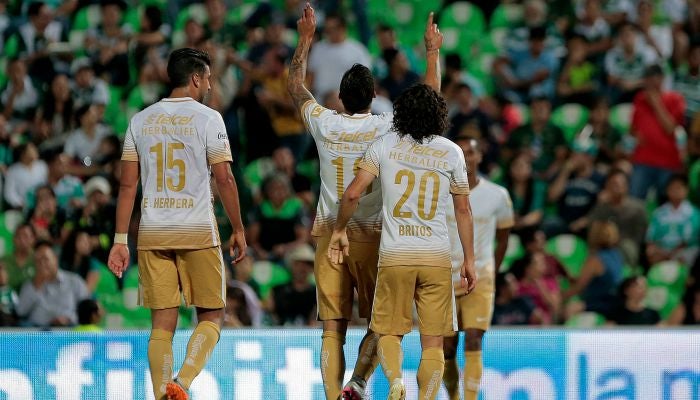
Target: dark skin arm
[(502, 235)]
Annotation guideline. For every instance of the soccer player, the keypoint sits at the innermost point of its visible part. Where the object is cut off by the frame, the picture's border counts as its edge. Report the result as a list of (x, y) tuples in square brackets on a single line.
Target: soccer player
[(175, 146), (493, 217), (418, 170), (342, 139)]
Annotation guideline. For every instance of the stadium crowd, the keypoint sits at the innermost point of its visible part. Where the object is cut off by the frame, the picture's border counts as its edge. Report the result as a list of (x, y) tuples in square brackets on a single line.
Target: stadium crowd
[(588, 112)]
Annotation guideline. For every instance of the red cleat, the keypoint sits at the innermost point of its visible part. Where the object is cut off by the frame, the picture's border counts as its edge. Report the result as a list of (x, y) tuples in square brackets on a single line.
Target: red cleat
[(173, 391)]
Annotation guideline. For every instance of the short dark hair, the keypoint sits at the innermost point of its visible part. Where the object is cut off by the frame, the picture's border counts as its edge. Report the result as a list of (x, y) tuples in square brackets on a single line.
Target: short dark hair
[(420, 112), (357, 89), (43, 243), (468, 138), (34, 8), (614, 172), (185, 62), (389, 55), (338, 17), (80, 113), (538, 33), (86, 309), (677, 178), (453, 60)]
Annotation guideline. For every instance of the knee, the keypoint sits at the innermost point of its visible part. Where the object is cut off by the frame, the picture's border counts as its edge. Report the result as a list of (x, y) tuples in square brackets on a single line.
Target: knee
[(449, 347), (473, 340), (335, 325)]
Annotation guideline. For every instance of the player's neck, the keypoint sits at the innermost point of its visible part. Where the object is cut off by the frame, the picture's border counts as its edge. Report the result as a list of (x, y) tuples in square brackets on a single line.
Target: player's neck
[(361, 112), (180, 92)]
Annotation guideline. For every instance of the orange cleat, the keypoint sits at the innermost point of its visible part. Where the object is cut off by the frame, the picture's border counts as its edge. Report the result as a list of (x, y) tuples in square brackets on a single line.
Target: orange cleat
[(173, 391)]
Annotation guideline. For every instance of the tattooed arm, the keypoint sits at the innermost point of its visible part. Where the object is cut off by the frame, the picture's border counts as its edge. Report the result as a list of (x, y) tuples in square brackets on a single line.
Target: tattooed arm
[(306, 27), (433, 42)]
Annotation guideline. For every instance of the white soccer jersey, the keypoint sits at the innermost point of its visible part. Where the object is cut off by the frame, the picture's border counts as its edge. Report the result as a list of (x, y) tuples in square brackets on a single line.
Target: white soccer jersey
[(341, 141), (416, 180), (491, 209), (175, 142)]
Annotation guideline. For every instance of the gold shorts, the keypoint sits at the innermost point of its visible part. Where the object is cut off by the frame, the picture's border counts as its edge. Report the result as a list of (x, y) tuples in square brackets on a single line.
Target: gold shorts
[(197, 275), (474, 310), (399, 286), (335, 283)]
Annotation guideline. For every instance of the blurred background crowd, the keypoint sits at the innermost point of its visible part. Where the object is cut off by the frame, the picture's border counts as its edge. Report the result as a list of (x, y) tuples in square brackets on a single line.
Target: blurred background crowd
[(588, 111)]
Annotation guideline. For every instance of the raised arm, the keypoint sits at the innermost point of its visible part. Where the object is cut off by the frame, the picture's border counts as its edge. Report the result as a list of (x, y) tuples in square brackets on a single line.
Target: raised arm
[(306, 26), (433, 43)]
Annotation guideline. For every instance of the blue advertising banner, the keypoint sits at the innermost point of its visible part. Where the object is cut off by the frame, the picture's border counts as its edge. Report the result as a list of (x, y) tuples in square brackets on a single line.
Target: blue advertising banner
[(284, 364)]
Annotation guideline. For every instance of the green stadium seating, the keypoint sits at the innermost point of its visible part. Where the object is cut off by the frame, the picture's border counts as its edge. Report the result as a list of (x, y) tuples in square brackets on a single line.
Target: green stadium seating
[(570, 250), (87, 17), (694, 182), (9, 220), (268, 275), (514, 251), (672, 274), (115, 115), (663, 299), (134, 316), (108, 295), (570, 118), (462, 24), (506, 16), (585, 320), (621, 117)]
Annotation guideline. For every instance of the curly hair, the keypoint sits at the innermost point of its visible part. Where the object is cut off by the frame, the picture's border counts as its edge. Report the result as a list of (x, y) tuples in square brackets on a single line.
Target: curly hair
[(421, 113)]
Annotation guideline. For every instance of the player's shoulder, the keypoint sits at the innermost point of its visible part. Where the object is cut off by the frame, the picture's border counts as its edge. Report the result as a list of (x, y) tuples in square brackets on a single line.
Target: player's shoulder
[(446, 143), (495, 189)]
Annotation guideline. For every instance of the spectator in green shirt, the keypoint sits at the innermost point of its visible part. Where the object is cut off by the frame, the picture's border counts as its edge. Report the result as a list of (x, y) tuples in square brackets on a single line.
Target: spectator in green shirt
[(20, 263), (528, 194), (674, 229), (542, 140)]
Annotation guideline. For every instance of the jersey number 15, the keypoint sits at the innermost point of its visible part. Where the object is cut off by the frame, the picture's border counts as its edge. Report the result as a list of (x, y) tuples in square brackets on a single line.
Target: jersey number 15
[(172, 163)]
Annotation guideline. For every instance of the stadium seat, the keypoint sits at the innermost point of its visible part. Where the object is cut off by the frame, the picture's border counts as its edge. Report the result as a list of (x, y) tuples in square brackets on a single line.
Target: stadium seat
[(585, 320), (108, 295), (498, 37), (238, 15), (506, 16), (87, 17), (115, 116), (621, 117), (268, 275), (515, 251), (570, 118), (694, 182), (134, 316), (462, 24), (663, 299), (672, 274), (9, 220), (570, 250)]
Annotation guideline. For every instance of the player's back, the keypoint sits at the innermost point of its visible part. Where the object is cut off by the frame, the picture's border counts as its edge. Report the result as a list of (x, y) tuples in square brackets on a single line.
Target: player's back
[(175, 142), (341, 141), (491, 210), (416, 180)]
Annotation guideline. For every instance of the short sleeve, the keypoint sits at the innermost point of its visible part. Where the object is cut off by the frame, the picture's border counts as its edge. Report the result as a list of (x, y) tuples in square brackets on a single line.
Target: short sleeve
[(218, 147), (504, 213), (459, 182), (313, 115), (370, 161), (129, 153)]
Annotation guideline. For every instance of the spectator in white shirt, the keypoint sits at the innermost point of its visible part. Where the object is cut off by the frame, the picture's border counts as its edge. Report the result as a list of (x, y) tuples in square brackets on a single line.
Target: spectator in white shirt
[(657, 37), (52, 296), (332, 56), (86, 88), (20, 97), (83, 143), (24, 176)]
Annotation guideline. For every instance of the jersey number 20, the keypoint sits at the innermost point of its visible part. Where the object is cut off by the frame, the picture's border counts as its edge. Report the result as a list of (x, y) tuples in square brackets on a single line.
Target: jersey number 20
[(430, 175)]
